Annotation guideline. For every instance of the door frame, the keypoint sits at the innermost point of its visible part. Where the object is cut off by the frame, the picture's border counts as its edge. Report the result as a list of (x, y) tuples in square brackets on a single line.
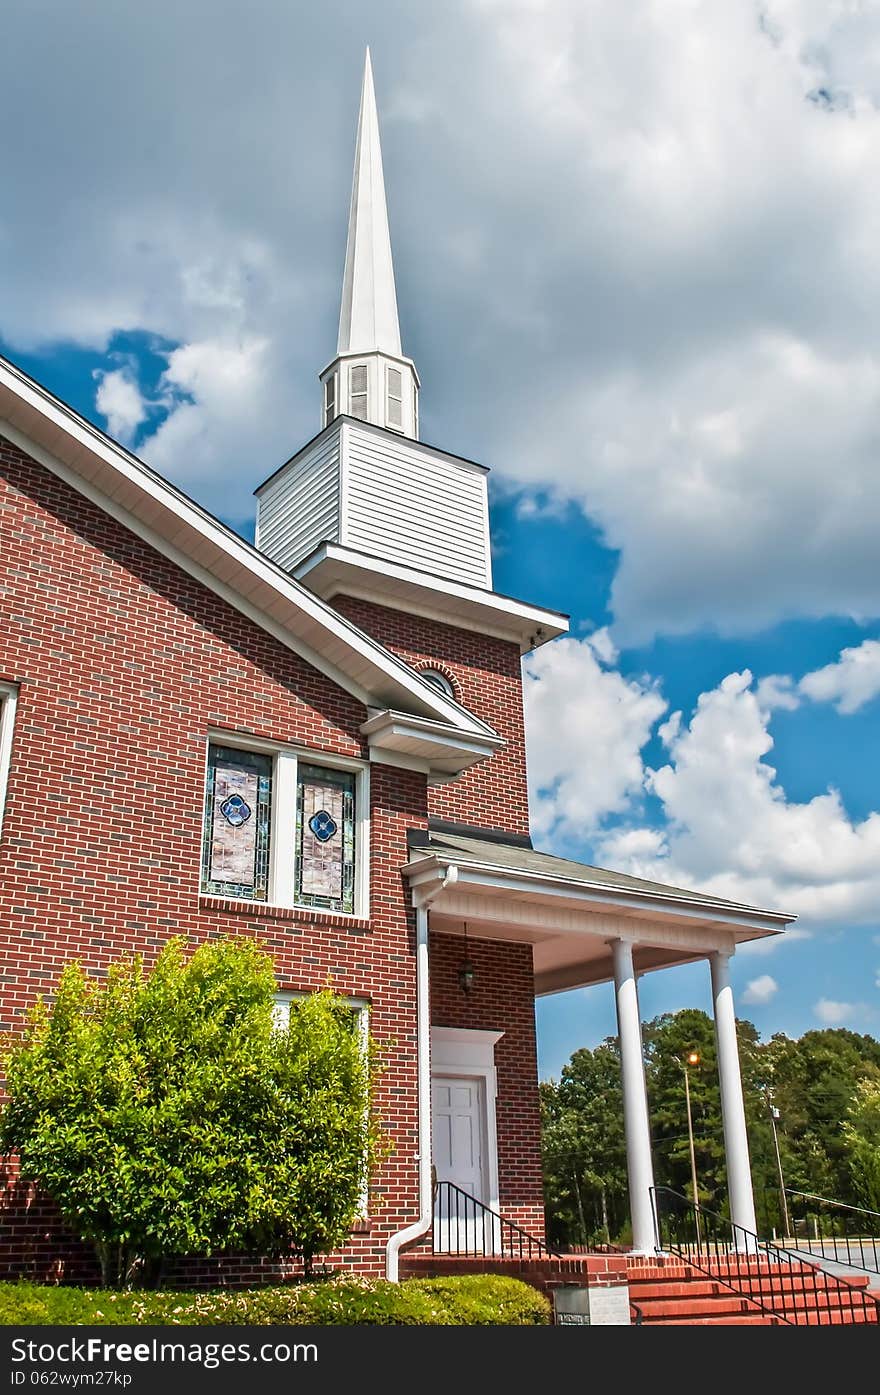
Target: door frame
[(469, 1052)]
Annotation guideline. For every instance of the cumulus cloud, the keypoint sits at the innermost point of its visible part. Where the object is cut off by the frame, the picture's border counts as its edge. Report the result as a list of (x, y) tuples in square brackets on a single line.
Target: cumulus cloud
[(587, 725), (726, 826), (760, 990), (733, 829), (118, 399), (849, 683), (833, 1013)]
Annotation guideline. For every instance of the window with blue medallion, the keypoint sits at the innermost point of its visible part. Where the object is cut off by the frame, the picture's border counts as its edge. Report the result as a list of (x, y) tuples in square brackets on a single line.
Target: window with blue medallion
[(282, 829), (325, 838), (238, 824)]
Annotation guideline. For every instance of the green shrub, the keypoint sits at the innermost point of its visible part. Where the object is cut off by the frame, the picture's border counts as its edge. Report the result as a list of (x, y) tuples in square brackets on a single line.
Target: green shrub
[(479, 1300), (165, 1114)]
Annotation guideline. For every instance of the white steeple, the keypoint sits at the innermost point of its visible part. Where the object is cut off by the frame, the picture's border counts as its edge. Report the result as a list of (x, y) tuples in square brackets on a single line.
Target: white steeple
[(368, 318), (369, 378)]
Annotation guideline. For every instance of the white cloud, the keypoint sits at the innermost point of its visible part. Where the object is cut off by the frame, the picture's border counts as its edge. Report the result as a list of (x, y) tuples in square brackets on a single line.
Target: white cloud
[(734, 831), (652, 286), (760, 990), (587, 725), (832, 1013), (118, 399), (849, 683), (729, 827)]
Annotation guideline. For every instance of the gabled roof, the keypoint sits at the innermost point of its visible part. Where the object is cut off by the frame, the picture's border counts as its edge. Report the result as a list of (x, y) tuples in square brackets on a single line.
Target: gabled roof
[(445, 739)]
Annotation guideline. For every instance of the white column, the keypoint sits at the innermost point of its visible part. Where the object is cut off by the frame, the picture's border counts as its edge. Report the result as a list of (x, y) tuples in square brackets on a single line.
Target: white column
[(639, 1166), (736, 1141)]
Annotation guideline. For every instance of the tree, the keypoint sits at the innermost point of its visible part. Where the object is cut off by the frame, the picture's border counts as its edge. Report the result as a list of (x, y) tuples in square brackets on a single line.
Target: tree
[(861, 1136), (814, 1082), (584, 1148), (166, 1114)]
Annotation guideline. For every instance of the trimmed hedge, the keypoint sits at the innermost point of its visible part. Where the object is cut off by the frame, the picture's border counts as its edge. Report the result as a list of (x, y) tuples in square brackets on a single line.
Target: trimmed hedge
[(472, 1300)]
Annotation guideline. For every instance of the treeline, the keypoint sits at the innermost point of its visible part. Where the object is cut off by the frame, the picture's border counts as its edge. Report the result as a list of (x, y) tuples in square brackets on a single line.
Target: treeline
[(825, 1086)]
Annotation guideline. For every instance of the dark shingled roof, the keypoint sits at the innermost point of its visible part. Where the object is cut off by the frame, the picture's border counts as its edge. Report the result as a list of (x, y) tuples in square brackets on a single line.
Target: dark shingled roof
[(513, 857)]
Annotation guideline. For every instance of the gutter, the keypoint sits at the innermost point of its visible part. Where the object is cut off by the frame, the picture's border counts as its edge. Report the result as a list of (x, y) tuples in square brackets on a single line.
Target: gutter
[(423, 1225)]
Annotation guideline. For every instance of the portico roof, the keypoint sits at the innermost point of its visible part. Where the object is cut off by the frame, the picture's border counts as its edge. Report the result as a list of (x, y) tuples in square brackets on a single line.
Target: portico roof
[(570, 911)]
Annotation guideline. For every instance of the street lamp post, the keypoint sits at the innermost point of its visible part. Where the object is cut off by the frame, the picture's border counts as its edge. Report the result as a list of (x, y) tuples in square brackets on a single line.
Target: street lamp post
[(774, 1115), (692, 1060)]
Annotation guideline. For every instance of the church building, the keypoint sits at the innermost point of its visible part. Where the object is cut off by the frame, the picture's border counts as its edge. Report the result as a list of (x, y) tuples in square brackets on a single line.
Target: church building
[(317, 740)]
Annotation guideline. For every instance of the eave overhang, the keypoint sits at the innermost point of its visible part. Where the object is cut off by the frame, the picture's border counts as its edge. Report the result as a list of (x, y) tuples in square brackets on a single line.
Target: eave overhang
[(440, 749), (333, 570)]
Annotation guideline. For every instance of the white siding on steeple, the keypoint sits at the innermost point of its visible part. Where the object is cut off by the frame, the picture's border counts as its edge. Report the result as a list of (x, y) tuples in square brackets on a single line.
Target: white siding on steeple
[(297, 507), (380, 494), (421, 508)]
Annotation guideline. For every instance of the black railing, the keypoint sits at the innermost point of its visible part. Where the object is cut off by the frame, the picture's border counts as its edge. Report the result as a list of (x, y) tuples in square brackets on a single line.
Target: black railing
[(833, 1230), (465, 1226), (785, 1285)]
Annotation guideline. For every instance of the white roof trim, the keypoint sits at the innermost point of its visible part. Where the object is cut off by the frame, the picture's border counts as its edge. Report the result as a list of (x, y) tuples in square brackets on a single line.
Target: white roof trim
[(121, 484), (332, 569)]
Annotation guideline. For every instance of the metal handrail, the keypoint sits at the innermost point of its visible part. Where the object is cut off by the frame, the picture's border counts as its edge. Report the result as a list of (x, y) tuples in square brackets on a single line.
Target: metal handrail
[(779, 1287), (840, 1205), (472, 1228), (842, 1233)]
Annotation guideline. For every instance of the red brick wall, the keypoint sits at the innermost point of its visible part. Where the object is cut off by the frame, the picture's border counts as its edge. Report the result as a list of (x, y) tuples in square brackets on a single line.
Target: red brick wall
[(124, 662), (502, 998), (487, 675)]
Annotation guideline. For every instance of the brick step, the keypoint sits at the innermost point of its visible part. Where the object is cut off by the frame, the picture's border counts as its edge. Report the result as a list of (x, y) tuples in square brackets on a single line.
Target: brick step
[(828, 1317), (720, 1305), (780, 1272), (701, 1287), (698, 1288), (742, 1320)]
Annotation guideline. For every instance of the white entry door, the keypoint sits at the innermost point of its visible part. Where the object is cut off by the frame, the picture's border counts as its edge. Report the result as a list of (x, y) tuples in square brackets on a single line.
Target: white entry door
[(459, 1124)]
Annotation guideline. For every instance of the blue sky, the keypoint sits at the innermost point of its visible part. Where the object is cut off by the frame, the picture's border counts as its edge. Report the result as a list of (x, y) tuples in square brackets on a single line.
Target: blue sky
[(651, 305)]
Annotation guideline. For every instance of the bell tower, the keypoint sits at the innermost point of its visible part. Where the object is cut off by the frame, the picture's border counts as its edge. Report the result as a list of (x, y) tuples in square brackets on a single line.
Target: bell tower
[(370, 379)]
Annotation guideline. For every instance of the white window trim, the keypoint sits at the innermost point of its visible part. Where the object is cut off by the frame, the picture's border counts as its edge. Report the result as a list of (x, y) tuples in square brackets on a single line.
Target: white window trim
[(8, 703), (393, 397), (352, 394), (331, 384), (361, 1008), (284, 773)]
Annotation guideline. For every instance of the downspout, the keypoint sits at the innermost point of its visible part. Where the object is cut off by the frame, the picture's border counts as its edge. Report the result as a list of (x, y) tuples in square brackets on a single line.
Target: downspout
[(413, 1232)]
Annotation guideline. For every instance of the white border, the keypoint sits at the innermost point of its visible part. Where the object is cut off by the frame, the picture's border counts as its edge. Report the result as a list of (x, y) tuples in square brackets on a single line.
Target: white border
[(8, 704)]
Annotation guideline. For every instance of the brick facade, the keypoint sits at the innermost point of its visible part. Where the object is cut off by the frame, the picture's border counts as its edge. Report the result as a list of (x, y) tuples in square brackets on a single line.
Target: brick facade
[(487, 675), (124, 663)]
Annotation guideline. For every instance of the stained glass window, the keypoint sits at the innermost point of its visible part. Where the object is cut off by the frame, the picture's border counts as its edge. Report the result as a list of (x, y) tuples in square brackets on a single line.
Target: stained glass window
[(325, 838), (238, 815)]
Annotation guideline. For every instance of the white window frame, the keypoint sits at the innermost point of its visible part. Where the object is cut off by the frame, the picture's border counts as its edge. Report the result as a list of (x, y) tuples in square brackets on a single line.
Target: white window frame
[(282, 861), (393, 397), (439, 680), (8, 703), (331, 385), (352, 368), (361, 1008)]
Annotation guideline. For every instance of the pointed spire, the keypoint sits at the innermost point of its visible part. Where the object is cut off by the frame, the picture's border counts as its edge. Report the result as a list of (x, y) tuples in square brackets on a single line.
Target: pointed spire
[(368, 318)]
